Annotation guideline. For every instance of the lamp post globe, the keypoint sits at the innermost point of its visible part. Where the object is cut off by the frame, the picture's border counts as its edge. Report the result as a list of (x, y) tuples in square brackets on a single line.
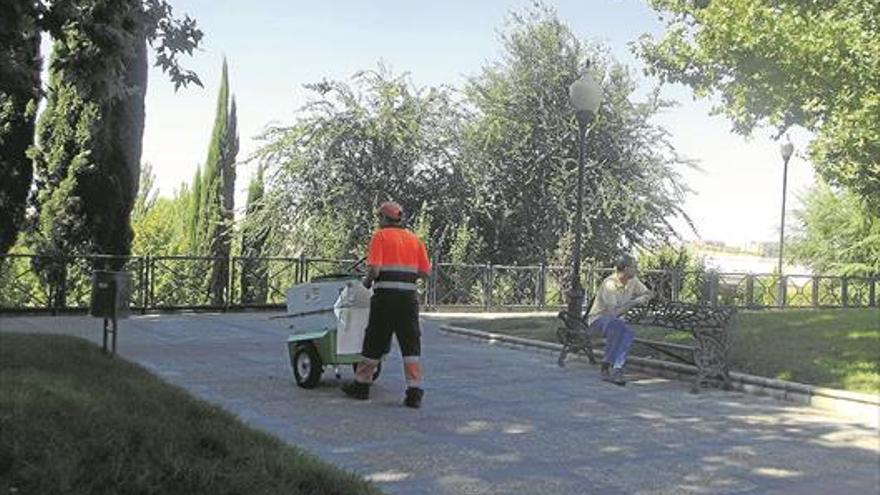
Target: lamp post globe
[(585, 95), (786, 150)]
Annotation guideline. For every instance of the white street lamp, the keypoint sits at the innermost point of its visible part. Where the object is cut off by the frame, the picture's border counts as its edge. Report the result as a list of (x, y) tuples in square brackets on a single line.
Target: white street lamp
[(786, 150), (586, 96)]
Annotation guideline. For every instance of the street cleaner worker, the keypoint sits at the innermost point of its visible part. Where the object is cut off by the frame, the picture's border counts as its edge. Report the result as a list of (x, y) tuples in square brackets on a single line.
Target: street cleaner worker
[(396, 259), (618, 293)]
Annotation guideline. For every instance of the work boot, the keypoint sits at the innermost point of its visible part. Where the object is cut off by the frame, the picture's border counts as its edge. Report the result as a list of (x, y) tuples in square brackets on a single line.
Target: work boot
[(413, 397), (357, 390), (615, 377)]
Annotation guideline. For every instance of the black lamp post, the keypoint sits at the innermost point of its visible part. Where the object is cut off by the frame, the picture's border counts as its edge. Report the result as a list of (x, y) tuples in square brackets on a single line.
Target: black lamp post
[(586, 96), (786, 151)]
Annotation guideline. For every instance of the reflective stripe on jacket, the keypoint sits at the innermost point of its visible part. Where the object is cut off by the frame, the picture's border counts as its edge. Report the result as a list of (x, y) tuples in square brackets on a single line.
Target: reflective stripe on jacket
[(400, 257)]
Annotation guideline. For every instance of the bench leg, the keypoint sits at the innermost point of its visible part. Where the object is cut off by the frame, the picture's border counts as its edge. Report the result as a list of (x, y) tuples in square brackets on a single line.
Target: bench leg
[(588, 350), (562, 355), (726, 383), (699, 380)]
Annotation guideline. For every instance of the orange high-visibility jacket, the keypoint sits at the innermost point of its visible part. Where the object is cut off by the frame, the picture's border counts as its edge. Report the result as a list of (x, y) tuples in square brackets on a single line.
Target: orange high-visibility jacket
[(400, 257)]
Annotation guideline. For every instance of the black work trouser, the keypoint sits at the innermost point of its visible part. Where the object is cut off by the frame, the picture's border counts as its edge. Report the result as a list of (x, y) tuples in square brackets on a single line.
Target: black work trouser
[(393, 312)]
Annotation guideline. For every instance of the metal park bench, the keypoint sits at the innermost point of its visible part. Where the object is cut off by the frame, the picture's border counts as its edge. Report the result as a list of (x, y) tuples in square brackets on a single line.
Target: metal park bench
[(709, 327)]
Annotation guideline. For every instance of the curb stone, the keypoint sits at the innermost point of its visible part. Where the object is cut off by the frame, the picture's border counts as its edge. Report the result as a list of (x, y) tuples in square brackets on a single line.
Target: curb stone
[(863, 407)]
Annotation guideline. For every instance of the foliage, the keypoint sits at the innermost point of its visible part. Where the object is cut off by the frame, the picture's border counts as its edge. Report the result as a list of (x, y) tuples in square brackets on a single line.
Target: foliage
[(785, 63), (160, 229), (465, 244), (19, 93), (520, 153), (104, 36), (838, 234), (353, 146), (659, 268)]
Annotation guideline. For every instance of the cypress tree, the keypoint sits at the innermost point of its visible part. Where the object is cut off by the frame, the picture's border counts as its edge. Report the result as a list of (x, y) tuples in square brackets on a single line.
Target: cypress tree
[(193, 212), (216, 208), (65, 136), (254, 275)]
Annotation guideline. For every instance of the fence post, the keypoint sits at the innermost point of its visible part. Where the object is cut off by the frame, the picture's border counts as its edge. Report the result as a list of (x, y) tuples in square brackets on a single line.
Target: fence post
[(430, 286), (228, 298), (815, 291), (50, 299), (783, 285), (675, 284), (872, 293), (151, 280), (487, 288), (303, 268), (144, 281), (844, 292), (714, 288), (542, 286), (750, 290)]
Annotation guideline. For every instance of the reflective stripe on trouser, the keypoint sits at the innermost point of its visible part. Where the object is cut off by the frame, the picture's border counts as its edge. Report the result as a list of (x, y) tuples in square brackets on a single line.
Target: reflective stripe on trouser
[(618, 339), (412, 368), (364, 370)]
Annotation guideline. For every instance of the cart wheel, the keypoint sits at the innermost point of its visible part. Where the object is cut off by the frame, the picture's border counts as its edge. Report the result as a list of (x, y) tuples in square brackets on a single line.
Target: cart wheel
[(375, 373), (307, 367)]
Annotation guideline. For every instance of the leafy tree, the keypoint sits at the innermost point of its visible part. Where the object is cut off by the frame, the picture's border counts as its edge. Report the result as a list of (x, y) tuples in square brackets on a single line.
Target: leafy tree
[(161, 229), (838, 234), (19, 93), (465, 244), (670, 270), (785, 63), (159, 223), (147, 194), (520, 153), (354, 146), (216, 197), (422, 225)]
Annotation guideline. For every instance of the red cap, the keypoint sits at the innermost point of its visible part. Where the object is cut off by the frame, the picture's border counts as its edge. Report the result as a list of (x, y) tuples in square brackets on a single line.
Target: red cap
[(391, 210)]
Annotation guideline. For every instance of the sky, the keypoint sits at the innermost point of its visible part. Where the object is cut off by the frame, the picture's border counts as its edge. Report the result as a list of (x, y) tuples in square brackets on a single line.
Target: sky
[(274, 47)]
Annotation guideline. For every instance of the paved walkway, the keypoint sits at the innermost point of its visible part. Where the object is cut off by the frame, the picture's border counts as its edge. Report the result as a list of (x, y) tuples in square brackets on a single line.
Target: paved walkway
[(499, 420)]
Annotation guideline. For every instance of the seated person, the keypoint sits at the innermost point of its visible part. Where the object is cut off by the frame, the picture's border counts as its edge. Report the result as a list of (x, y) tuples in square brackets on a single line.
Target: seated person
[(618, 293)]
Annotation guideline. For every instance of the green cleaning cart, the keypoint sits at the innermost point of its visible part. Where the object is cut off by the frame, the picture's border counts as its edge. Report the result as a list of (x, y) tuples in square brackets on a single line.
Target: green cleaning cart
[(328, 318)]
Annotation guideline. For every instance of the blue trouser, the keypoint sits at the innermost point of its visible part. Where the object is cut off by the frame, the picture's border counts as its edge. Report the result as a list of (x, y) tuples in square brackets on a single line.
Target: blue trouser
[(618, 339)]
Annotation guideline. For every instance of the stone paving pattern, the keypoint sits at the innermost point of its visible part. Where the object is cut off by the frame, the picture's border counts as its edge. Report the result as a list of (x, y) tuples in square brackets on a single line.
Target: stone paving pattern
[(499, 420)]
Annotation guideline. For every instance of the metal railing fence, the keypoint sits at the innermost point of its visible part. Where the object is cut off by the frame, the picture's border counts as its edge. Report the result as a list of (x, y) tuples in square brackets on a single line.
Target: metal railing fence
[(32, 283)]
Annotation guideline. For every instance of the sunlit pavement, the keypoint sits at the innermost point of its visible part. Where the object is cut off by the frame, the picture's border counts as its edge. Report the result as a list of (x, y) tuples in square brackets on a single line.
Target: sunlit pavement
[(499, 420)]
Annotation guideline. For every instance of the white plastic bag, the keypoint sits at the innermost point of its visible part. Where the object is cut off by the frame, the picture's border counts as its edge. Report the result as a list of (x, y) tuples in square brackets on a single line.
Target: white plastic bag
[(352, 311)]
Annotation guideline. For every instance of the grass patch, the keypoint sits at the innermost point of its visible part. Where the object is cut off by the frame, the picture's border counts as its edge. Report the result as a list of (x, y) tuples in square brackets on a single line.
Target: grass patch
[(837, 348), (73, 421)]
